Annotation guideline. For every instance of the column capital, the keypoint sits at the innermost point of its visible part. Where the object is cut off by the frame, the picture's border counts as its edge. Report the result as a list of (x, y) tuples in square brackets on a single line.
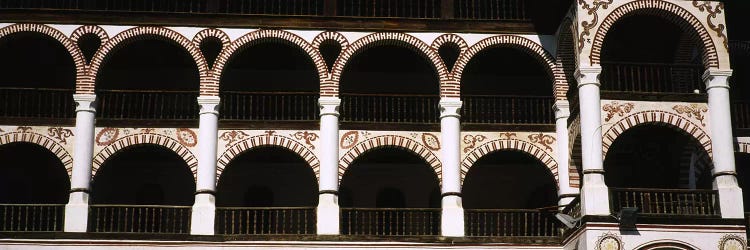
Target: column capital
[(562, 109), (588, 75), (329, 105), (450, 107), (209, 104), (717, 78), (85, 102)]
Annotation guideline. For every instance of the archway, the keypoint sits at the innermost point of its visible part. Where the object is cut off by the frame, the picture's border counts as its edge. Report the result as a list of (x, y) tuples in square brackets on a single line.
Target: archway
[(740, 92), (267, 190), (506, 85), (389, 83), (148, 78), (742, 165), (507, 185), (38, 77), (396, 189), (270, 79), (143, 188), (670, 61), (36, 188)]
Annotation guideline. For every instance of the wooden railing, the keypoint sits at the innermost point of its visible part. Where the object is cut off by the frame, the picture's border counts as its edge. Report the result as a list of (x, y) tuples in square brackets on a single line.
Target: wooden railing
[(511, 222), (741, 114), (265, 221), (507, 109), (389, 108), (390, 221), (490, 10), (389, 8), (31, 217), (573, 208), (147, 105), (301, 106), (139, 219), (36, 102), (666, 201), (651, 77)]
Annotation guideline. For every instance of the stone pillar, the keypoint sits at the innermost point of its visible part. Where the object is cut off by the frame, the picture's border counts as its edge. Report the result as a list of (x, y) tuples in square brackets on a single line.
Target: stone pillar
[(328, 201), (565, 193), (594, 192), (77, 209), (722, 143), (452, 217), (204, 209)]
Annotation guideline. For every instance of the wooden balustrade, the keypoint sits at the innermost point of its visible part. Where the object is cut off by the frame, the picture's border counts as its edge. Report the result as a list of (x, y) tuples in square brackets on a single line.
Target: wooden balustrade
[(147, 105), (511, 222), (253, 106), (36, 103), (573, 208), (139, 219), (741, 114), (390, 221), (389, 108), (31, 217), (666, 201), (389, 8), (491, 10), (651, 77), (507, 109), (265, 220)]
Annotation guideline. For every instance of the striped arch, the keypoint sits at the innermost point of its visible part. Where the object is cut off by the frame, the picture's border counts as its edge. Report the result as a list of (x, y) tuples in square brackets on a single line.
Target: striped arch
[(672, 12), (259, 36), (666, 244), (139, 33), (656, 117), (89, 29), (145, 138), (268, 140), (517, 42), (330, 35), (215, 33), (566, 60), (450, 38), (508, 144), (75, 52), (331, 87), (390, 141), (44, 141)]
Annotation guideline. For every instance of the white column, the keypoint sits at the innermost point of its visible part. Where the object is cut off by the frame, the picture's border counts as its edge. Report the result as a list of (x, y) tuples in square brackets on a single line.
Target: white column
[(722, 143), (77, 209), (594, 192), (452, 217), (328, 201), (204, 209), (565, 193)]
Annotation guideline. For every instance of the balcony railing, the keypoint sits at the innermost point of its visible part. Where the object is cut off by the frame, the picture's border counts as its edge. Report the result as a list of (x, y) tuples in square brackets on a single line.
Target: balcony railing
[(651, 77), (389, 8), (490, 9), (139, 219), (741, 114), (389, 108), (254, 106), (31, 217), (390, 221), (36, 103), (147, 105), (507, 109), (265, 221), (511, 222), (672, 202), (573, 208)]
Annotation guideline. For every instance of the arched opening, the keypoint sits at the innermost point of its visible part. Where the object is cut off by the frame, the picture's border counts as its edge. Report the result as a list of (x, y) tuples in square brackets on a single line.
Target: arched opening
[(506, 85), (504, 186), (389, 84), (148, 79), (390, 191), (742, 165), (651, 54), (38, 77), (35, 186), (740, 91), (271, 80), (267, 190), (661, 170), (143, 188)]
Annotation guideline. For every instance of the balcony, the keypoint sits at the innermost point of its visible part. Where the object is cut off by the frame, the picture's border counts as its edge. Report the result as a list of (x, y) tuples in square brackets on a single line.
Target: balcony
[(382, 108), (265, 220), (390, 221), (31, 217), (651, 81), (511, 223), (507, 109), (139, 219), (666, 202), (36, 104), (256, 106), (123, 106)]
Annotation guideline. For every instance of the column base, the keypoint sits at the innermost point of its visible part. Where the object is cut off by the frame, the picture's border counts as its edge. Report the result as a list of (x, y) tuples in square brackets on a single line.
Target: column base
[(452, 217), (328, 214), (595, 200), (77, 212), (204, 214), (731, 202)]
